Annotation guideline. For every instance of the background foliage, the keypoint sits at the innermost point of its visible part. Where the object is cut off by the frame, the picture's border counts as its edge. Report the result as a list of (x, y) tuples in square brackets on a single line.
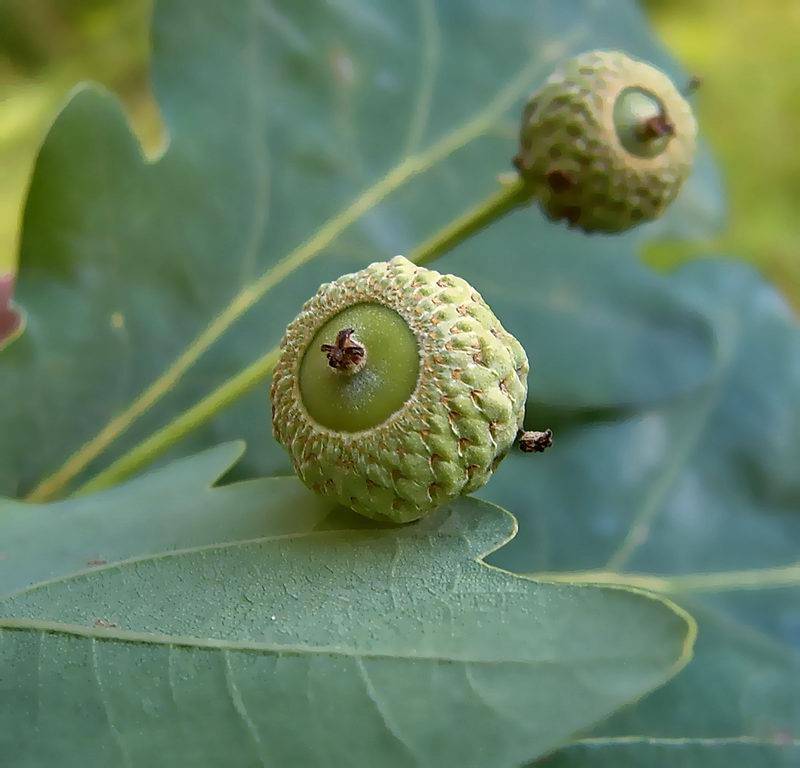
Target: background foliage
[(674, 398), (746, 58)]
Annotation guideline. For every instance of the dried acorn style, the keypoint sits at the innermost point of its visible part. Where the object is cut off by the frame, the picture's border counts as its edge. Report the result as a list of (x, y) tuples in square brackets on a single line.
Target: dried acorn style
[(397, 390), (607, 142)]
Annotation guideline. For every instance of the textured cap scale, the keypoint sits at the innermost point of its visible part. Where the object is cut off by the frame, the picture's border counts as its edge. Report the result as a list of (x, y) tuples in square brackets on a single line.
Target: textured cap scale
[(462, 412)]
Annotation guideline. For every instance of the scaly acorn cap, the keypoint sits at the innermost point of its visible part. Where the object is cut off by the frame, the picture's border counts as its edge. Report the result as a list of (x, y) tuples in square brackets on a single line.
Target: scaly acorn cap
[(606, 142), (397, 390)]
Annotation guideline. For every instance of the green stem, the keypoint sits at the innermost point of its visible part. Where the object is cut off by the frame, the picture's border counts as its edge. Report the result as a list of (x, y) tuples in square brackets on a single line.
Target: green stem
[(162, 440), (505, 200), (496, 206)]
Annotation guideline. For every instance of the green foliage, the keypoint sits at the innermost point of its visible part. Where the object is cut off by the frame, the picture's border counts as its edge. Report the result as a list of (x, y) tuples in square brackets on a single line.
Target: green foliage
[(697, 498), (273, 649), (305, 142), (168, 509), (46, 46)]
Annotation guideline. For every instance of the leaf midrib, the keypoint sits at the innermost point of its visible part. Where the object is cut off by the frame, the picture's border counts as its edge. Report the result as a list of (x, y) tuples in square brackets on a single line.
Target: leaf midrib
[(682, 741), (293, 649), (364, 533)]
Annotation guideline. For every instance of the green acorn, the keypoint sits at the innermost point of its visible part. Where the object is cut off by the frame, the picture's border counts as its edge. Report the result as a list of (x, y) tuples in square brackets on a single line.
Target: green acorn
[(397, 390), (607, 142)]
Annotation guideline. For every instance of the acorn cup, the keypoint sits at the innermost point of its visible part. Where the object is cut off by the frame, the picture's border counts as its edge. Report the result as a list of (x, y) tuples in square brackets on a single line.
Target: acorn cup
[(397, 390), (606, 143)]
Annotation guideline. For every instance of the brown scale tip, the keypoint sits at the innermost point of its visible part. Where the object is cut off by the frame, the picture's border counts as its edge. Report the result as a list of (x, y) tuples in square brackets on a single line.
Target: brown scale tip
[(535, 442), (345, 354)]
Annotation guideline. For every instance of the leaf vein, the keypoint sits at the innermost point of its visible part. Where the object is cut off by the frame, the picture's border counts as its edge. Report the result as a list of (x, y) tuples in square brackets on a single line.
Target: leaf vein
[(259, 154), (388, 722), (431, 50), (115, 732), (241, 708), (683, 741)]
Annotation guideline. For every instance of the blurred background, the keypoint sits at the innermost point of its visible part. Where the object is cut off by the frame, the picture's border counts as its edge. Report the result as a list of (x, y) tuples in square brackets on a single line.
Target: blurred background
[(746, 53)]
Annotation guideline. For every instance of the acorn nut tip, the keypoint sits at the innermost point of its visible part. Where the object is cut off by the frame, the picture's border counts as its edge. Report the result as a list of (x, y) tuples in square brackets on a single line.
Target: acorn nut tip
[(397, 390), (607, 142)]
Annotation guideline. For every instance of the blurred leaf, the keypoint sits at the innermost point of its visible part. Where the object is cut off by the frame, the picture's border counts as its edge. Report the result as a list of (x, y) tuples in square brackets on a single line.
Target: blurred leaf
[(749, 70), (394, 646), (307, 139), (700, 499), (173, 508), (10, 319)]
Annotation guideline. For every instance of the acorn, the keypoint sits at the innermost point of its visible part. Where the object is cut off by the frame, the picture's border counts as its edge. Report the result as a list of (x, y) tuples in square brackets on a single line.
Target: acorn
[(606, 143), (397, 390)]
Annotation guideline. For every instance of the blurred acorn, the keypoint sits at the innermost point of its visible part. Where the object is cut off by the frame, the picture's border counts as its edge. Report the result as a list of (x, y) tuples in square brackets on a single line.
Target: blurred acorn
[(607, 142)]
